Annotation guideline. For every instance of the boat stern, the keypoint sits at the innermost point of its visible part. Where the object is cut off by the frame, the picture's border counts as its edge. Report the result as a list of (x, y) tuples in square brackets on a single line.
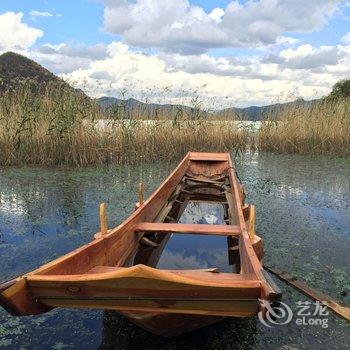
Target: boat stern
[(16, 298)]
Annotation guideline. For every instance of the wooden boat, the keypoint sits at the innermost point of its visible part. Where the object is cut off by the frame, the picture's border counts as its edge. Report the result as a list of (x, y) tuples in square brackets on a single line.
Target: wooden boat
[(117, 270)]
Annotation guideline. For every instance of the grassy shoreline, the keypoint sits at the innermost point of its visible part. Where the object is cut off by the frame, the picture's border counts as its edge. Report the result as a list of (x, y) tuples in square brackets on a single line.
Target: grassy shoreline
[(57, 126)]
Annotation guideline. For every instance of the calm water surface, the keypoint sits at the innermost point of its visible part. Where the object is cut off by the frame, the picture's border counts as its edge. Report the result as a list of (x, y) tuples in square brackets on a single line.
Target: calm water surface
[(303, 214)]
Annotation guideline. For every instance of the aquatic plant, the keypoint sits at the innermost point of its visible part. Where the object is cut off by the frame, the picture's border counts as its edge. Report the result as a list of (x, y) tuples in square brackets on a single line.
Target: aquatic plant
[(322, 127), (56, 125)]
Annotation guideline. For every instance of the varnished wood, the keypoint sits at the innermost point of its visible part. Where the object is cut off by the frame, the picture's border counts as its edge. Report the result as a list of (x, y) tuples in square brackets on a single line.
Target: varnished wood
[(251, 225), (199, 229), (141, 193), (211, 157), (103, 219)]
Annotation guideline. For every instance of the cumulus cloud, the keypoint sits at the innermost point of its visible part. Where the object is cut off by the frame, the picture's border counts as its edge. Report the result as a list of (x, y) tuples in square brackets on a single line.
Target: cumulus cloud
[(183, 27), (217, 14), (222, 66), (16, 35), (95, 52), (66, 58), (221, 81), (176, 25), (307, 57)]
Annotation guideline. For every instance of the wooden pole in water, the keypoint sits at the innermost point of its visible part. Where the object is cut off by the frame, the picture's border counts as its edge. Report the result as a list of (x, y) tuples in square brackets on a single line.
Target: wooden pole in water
[(341, 310), (103, 219)]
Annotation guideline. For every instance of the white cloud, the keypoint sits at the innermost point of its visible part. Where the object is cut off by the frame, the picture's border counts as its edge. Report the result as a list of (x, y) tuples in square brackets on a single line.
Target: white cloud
[(40, 14), (222, 81), (217, 14), (307, 57), (16, 35), (97, 51), (177, 25), (65, 58)]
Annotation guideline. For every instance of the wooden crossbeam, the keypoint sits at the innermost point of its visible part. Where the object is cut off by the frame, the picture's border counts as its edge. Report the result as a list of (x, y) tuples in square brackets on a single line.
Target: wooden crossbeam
[(208, 157), (219, 230), (205, 181)]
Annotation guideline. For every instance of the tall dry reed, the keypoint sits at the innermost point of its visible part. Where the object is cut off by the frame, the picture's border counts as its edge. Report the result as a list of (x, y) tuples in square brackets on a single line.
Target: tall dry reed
[(321, 128), (55, 125)]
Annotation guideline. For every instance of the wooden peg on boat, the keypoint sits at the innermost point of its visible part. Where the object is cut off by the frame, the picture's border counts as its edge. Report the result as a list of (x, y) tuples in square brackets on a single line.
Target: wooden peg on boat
[(140, 196), (103, 219), (252, 222), (141, 192)]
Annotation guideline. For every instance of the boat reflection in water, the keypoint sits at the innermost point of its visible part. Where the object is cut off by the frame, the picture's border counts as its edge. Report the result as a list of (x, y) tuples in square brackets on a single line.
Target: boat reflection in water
[(194, 251)]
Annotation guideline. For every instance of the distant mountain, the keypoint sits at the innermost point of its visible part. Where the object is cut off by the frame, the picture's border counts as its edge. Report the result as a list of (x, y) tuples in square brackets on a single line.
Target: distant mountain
[(134, 108), (255, 113), (17, 70)]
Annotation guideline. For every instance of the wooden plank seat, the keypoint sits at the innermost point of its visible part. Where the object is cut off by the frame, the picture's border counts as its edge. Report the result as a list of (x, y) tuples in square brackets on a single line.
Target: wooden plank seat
[(199, 229)]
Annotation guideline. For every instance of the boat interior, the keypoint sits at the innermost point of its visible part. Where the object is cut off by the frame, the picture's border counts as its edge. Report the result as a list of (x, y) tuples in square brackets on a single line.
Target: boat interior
[(200, 178), (131, 251)]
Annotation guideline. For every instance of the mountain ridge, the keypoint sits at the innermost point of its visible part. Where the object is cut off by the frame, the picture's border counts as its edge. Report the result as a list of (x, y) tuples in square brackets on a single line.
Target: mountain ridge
[(16, 69), (251, 113)]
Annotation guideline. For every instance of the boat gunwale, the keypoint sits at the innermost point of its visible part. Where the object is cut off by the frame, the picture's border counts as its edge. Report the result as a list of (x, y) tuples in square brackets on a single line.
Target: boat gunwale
[(143, 271)]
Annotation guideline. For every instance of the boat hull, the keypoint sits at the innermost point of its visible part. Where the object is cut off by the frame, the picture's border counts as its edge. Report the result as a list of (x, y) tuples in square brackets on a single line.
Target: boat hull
[(170, 325)]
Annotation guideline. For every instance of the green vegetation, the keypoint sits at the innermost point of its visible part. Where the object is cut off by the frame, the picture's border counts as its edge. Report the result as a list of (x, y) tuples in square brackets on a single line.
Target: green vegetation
[(341, 89)]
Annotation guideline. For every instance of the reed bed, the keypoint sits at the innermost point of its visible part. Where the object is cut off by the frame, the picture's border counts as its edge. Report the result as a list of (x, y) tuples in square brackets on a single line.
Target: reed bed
[(321, 128), (61, 127), (56, 125)]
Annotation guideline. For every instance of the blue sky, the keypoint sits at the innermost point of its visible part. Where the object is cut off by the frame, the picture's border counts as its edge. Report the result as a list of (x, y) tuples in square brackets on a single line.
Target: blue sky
[(76, 21), (244, 52)]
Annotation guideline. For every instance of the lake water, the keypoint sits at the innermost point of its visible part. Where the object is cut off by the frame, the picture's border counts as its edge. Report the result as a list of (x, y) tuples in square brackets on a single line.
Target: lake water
[(303, 214), (246, 125)]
